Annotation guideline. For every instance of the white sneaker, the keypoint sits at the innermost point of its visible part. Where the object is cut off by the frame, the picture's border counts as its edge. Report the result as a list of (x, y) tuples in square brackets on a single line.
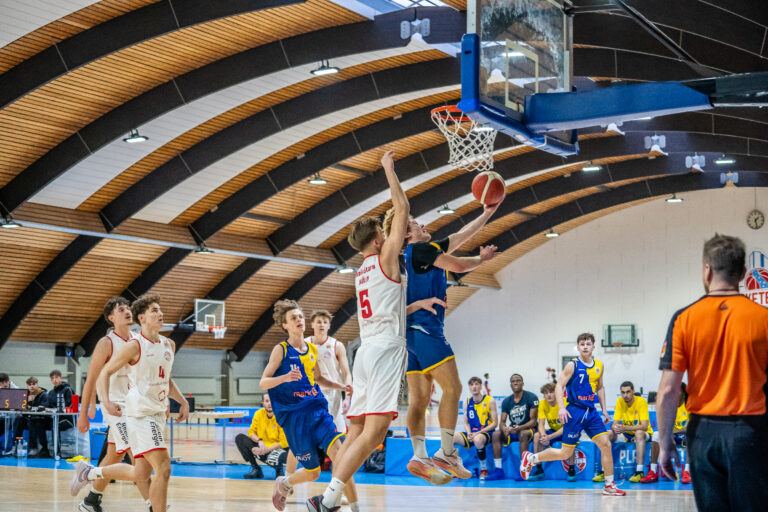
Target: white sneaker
[(452, 464), (80, 478)]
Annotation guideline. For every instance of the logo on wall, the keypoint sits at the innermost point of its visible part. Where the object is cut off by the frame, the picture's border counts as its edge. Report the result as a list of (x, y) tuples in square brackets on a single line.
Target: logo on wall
[(756, 280), (580, 458)]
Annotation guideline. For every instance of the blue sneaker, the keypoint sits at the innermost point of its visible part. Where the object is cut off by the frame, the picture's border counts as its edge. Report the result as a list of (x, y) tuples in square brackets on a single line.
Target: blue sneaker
[(538, 475), (496, 474)]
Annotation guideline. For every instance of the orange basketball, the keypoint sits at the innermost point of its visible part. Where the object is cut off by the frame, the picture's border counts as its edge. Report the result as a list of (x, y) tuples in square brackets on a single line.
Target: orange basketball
[(488, 187)]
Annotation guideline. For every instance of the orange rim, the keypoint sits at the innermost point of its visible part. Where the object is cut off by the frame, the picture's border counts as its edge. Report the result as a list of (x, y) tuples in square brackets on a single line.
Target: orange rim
[(450, 112)]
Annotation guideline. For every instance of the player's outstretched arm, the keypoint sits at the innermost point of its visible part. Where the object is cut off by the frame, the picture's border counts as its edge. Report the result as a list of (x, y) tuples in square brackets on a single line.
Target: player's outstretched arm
[(468, 231), (328, 383), (390, 251), (99, 358), (129, 354), (427, 304), (465, 263), (275, 358), (666, 409)]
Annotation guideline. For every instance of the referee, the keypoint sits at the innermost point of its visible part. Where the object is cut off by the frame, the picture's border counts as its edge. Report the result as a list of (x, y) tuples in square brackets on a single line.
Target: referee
[(721, 340)]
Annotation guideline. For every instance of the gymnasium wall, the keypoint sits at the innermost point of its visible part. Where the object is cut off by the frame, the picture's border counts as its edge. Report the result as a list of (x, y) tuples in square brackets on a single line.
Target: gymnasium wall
[(636, 266)]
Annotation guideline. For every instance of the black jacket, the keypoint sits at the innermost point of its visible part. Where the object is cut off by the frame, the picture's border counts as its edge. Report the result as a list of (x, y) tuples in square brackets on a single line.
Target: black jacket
[(38, 400), (49, 399)]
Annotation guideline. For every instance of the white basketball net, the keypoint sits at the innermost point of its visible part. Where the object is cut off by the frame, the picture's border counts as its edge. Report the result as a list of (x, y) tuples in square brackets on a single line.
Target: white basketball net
[(470, 143), (218, 331)]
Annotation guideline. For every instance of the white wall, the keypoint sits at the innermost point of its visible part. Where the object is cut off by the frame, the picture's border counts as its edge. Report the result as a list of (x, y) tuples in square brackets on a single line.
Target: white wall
[(636, 266)]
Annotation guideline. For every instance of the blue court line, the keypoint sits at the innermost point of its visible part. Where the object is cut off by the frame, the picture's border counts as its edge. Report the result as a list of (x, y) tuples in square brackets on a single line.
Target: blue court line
[(236, 472)]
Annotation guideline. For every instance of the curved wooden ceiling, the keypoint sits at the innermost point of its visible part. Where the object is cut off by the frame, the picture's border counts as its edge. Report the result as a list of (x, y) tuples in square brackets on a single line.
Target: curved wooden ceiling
[(237, 125)]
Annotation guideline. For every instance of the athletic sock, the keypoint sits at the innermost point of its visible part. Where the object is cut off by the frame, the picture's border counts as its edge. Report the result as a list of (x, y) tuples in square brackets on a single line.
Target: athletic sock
[(354, 507), (481, 453), (483, 464), (94, 473), (287, 484), (687, 467), (654, 467), (535, 458), (608, 480), (446, 441), (332, 494), (639, 468), (497, 463), (148, 503), (419, 447)]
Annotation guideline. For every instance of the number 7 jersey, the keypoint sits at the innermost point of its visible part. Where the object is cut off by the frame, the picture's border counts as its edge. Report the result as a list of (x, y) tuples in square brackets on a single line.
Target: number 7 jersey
[(380, 302)]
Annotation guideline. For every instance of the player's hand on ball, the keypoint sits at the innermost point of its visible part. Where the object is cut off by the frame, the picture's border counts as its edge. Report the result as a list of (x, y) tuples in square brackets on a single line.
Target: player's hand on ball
[(487, 252), (563, 416), (388, 160), (491, 208), (293, 375)]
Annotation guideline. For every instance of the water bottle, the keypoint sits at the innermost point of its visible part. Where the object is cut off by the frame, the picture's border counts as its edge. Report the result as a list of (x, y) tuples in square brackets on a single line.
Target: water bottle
[(21, 448)]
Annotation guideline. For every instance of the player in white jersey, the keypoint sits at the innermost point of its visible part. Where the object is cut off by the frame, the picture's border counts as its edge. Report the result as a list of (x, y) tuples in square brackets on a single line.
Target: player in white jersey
[(380, 361), (150, 357), (332, 357), (117, 311)]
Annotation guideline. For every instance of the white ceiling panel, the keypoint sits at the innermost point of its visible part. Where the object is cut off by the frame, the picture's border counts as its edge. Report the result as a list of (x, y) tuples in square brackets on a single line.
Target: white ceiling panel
[(178, 199), (88, 176), (19, 17)]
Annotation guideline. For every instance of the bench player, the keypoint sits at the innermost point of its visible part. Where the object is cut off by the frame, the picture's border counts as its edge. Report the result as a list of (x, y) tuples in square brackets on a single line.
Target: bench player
[(150, 357), (582, 378), (678, 436), (480, 420), (632, 424), (380, 360), (292, 379), (430, 357), (117, 311)]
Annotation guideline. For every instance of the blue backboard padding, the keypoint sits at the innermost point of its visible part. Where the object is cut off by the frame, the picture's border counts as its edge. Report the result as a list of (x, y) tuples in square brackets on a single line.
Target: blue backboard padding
[(569, 110)]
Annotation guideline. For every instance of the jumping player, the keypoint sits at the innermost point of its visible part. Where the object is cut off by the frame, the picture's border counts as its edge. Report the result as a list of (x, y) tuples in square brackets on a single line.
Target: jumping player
[(150, 357), (117, 311), (429, 354), (332, 359), (381, 358), (292, 379), (582, 377), (480, 421)]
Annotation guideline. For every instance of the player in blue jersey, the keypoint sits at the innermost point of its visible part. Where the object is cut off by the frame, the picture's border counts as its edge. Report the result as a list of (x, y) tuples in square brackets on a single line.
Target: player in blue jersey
[(291, 378), (480, 421), (582, 379), (430, 357)]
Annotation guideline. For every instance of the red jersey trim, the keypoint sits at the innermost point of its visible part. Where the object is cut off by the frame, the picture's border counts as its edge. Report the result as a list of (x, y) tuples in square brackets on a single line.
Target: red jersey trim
[(385, 274), (149, 340), (141, 455), (139, 359)]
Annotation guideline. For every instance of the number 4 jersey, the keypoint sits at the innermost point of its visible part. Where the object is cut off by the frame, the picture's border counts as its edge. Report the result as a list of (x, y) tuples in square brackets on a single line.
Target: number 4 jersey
[(149, 377), (380, 302)]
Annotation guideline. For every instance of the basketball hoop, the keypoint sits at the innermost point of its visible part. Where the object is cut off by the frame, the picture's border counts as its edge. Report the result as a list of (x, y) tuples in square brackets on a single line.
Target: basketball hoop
[(470, 143), (218, 331), (618, 344)]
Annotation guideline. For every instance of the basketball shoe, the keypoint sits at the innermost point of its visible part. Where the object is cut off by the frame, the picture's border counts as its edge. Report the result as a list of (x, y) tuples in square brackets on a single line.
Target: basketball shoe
[(483, 474), (611, 490), (80, 478), (496, 474), (600, 477), (650, 478), (452, 464), (315, 504), (427, 470), (637, 476), (571, 474), (538, 474), (280, 493), (686, 477), (526, 465), (91, 503)]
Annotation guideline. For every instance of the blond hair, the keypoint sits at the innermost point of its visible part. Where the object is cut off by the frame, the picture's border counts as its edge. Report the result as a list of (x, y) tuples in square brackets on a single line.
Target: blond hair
[(364, 231), (387, 225)]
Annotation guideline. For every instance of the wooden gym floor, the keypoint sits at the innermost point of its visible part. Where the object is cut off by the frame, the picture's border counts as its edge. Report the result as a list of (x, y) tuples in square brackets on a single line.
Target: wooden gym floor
[(36, 490)]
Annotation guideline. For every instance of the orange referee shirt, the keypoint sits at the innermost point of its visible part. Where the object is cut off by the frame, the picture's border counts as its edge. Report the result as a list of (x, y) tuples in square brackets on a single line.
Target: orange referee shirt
[(722, 341)]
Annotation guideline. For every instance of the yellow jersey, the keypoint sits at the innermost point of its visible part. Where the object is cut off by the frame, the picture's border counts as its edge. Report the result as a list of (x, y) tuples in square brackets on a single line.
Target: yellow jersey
[(267, 429), (549, 413), (634, 414), (681, 418)]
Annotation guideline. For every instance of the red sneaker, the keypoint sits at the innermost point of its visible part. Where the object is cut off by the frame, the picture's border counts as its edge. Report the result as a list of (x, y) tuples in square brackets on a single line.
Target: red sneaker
[(686, 477), (650, 478), (483, 474), (526, 465), (612, 490)]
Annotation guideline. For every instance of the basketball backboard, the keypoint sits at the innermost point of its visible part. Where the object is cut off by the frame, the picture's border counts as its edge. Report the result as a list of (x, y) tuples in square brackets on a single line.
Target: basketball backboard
[(209, 314)]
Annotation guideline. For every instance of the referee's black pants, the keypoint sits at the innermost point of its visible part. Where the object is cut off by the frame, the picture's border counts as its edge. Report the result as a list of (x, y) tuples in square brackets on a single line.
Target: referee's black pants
[(729, 462)]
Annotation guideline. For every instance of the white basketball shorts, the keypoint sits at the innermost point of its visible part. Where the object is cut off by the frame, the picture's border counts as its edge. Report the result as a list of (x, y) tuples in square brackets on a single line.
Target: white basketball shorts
[(334, 407), (118, 431), (378, 371), (145, 433)]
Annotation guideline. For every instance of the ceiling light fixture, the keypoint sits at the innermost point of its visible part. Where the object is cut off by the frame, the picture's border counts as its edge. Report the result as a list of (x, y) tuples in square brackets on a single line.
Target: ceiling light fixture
[(324, 69), (591, 168), (724, 160), (135, 137), (202, 249), (446, 210), (344, 269), (552, 234), (317, 180), (674, 199), (9, 223)]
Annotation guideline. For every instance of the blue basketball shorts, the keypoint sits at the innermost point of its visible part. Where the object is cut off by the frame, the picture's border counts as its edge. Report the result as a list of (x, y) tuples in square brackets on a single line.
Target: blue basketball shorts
[(307, 430), (488, 437), (588, 420), (426, 352)]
